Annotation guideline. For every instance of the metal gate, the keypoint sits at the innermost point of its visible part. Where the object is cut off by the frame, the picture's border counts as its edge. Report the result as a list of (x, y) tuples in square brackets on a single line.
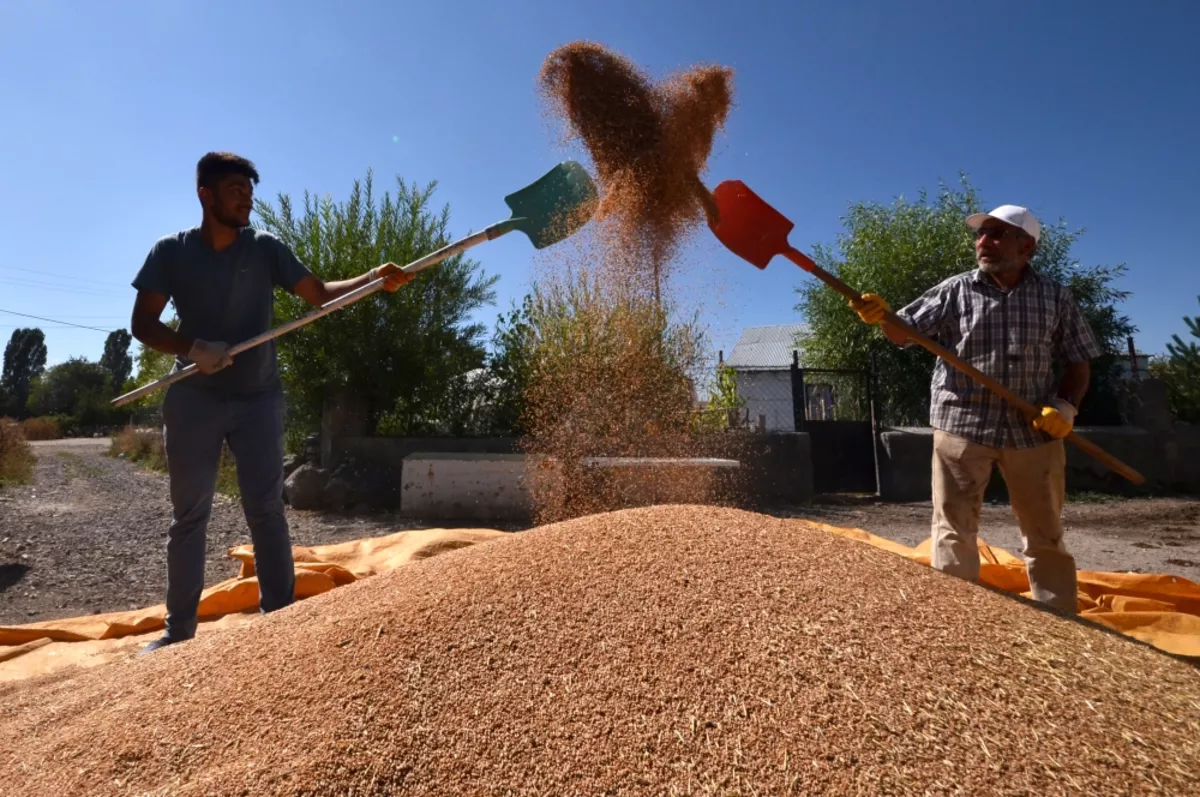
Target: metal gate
[(836, 408)]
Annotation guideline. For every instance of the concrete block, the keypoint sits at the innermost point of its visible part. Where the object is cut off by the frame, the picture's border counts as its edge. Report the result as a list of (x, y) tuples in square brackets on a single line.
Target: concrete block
[(906, 467), (465, 487), (650, 481), (775, 468), (906, 464), (1170, 461)]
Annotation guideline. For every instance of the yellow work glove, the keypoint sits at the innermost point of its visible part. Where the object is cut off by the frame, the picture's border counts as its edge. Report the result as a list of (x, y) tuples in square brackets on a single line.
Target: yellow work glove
[(396, 277), (1056, 420), (870, 308)]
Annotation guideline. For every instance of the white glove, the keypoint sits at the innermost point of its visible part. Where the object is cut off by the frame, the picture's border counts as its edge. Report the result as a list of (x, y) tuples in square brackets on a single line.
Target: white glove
[(1065, 408), (210, 357)]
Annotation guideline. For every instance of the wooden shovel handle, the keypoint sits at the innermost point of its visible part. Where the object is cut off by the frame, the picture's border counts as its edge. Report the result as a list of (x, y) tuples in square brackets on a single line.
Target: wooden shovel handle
[(1030, 411)]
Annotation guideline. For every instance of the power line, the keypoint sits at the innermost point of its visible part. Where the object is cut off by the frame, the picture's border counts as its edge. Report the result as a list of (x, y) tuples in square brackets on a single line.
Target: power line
[(25, 326), (58, 288), (44, 273), (53, 321)]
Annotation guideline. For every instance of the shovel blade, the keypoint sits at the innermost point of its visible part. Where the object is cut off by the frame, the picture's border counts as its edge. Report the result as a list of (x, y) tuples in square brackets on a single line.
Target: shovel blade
[(748, 226), (553, 208)]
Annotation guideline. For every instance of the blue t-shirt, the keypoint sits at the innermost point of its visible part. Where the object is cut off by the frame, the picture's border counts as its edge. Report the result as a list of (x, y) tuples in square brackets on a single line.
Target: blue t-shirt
[(224, 296)]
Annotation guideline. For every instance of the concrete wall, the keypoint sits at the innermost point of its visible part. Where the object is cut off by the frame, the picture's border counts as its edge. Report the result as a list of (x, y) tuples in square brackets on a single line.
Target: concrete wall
[(776, 468), (1169, 459), (485, 488), (390, 452), (905, 467)]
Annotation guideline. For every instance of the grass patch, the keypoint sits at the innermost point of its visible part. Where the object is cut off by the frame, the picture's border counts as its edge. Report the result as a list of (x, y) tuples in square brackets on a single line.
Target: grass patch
[(16, 455), (145, 447)]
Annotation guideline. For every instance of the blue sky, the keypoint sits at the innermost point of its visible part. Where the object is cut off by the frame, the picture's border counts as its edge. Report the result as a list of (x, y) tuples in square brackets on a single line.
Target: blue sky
[(1086, 111)]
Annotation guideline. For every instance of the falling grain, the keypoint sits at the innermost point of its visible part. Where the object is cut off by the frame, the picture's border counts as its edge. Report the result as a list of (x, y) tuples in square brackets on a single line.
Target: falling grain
[(615, 371), (649, 143)]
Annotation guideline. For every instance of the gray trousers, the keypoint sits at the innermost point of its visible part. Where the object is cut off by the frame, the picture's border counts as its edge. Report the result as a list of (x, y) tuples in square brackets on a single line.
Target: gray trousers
[(196, 423), (1036, 482)]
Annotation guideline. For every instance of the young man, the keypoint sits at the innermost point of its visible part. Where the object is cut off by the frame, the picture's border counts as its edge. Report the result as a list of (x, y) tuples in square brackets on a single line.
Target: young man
[(221, 277), (1011, 323)]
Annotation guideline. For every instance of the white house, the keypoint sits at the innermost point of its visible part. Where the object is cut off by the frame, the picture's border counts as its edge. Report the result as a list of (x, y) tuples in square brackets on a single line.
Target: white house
[(1125, 366), (762, 359)]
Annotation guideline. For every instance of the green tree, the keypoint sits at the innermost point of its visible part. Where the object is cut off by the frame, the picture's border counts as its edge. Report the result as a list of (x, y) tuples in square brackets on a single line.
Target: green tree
[(510, 364), (1180, 370), (116, 359), (24, 361), (77, 388), (901, 250), (403, 355), (724, 401)]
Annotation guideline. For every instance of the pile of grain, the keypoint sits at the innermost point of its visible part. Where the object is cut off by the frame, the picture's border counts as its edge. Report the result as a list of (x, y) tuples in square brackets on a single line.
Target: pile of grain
[(660, 651)]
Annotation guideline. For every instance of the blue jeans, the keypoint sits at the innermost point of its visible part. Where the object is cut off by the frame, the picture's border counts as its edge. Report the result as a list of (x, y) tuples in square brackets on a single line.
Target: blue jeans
[(196, 423)]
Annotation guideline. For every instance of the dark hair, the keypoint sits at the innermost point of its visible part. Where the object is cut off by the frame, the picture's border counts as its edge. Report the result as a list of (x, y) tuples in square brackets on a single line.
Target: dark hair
[(216, 165)]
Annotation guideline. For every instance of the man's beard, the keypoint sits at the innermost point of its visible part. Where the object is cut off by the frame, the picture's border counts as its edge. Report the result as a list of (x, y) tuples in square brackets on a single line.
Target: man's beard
[(230, 220), (1005, 266)]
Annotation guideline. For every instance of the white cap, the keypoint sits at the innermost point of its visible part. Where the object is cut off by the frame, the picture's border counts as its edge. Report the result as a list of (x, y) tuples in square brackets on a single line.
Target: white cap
[(1015, 215)]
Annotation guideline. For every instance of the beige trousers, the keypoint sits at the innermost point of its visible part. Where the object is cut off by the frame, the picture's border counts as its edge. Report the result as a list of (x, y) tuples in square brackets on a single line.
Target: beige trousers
[(1036, 485)]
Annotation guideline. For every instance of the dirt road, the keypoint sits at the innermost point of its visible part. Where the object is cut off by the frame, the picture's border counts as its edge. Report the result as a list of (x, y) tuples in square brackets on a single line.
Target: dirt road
[(90, 534)]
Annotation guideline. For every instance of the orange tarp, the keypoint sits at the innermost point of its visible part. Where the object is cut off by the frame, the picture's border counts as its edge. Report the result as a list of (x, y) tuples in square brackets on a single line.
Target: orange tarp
[(95, 639), (1161, 610)]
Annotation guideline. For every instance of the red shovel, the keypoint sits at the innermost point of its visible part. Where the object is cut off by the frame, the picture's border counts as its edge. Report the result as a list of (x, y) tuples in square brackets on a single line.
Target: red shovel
[(755, 231)]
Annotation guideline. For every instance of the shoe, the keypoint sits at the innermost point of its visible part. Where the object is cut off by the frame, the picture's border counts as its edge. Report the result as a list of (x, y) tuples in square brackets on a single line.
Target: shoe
[(161, 642)]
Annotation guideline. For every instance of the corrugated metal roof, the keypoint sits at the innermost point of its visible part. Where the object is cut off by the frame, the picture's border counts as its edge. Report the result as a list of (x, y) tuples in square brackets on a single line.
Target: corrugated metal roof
[(766, 348)]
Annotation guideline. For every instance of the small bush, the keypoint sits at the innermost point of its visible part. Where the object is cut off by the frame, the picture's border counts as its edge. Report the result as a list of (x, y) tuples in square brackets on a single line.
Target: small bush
[(16, 455), (144, 446), (43, 428)]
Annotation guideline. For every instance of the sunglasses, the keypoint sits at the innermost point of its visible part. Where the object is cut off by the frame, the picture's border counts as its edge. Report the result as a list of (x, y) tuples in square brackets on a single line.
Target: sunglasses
[(995, 233)]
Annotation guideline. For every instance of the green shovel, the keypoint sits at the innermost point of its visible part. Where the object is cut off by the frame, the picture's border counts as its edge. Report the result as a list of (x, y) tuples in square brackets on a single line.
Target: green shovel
[(547, 211)]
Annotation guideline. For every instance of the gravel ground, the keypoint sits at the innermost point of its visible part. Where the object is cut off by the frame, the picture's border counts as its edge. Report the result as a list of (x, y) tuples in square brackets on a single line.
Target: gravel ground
[(667, 651), (89, 535), (1156, 535)]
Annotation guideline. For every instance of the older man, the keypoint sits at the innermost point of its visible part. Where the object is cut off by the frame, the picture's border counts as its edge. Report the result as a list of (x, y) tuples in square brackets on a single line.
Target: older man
[(1012, 324)]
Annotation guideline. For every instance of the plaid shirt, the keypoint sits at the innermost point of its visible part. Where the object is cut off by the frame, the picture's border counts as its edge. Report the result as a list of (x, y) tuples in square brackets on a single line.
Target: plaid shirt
[(1012, 336)]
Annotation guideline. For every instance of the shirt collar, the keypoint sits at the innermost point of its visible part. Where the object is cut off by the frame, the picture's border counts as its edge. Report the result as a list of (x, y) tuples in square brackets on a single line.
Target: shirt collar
[(1031, 276)]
